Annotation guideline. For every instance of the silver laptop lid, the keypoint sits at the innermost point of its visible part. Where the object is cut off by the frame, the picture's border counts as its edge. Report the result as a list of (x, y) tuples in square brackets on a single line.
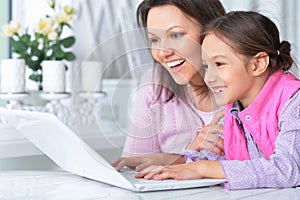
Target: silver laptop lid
[(63, 146)]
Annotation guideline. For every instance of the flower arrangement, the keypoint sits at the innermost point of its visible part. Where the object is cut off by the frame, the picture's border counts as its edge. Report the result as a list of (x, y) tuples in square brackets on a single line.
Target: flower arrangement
[(45, 41)]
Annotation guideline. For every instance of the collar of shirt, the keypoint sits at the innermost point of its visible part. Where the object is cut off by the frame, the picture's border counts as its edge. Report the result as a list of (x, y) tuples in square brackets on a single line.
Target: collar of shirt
[(235, 109)]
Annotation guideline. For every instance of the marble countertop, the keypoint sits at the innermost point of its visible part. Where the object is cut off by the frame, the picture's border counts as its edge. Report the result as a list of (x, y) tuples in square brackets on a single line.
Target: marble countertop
[(64, 185)]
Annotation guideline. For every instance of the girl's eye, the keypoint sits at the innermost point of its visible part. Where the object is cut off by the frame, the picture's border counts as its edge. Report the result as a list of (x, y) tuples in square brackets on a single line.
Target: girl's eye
[(176, 35), (218, 64), (205, 66)]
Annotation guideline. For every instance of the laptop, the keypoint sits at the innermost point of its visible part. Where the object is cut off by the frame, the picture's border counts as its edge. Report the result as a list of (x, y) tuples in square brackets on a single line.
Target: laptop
[(72, 154)]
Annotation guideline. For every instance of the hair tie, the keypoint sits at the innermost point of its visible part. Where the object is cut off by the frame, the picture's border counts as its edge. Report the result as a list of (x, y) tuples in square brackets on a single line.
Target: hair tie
[(278, 52)]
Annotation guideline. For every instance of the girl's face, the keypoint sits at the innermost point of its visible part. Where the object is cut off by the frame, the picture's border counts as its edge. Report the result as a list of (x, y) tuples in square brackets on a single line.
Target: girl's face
[(174, 42), (226, 73)]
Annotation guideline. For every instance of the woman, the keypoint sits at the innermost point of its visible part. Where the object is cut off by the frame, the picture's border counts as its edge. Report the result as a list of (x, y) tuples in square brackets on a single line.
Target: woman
[(173, 102)]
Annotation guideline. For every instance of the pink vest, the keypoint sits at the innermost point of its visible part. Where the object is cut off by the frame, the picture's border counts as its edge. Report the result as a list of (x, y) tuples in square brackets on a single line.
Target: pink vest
[(260, 118)]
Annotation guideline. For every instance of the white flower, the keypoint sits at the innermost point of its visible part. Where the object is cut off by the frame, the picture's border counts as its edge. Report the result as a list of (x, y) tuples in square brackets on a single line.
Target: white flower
[(44, 26), (8, 30), (63, 18), (69, 10), (15, 26), (52, 35)]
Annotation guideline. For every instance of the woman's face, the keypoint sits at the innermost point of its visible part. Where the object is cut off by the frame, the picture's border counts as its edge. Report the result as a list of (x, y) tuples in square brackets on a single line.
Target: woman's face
[(174, 42)]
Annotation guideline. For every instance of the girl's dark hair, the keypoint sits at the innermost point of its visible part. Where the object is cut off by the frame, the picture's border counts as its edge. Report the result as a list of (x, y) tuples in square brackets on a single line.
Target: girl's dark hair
[(203, 11), (249, 33)]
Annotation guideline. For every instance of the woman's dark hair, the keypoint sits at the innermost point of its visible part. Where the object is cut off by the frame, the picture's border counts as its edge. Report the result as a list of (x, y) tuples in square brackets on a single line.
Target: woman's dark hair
[(203, 11), (249, 33)]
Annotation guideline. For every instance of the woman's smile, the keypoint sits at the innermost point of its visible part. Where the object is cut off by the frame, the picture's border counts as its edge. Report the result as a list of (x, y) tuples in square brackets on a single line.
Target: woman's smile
[(175, 42), (176, 65)]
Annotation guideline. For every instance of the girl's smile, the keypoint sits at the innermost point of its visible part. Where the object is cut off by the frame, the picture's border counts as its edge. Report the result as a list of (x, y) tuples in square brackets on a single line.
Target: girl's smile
[(227, 74)]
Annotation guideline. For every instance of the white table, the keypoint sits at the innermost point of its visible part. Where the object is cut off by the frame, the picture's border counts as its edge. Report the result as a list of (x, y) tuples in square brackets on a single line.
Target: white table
[(63, 185)]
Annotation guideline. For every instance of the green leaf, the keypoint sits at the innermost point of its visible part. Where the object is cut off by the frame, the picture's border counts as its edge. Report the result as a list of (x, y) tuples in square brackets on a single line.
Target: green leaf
[(34, 43), (58, 54), (69, 56), (68, 42), (19, 46), (35, 65), (39, 36), (25, 38), (24, 55), (36, 77), (36, 52)]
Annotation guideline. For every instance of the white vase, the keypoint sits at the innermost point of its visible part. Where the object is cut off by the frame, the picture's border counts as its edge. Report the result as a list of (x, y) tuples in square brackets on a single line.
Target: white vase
[(12, 76), (91, 72), (53, 76)]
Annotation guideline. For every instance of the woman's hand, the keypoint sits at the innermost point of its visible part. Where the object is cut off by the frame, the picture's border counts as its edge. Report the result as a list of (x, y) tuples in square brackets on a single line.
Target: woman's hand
[(209, 136), (188, 171), (143, 162)]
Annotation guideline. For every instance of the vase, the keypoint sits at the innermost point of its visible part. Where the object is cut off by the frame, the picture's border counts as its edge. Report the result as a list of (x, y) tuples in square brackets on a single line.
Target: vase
[(12, 76), (53, 76), (91, 72)]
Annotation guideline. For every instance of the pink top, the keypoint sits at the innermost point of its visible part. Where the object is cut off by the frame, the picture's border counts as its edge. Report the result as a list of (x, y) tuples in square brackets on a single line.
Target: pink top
[(260, 118), (158, 127), (281, 169)]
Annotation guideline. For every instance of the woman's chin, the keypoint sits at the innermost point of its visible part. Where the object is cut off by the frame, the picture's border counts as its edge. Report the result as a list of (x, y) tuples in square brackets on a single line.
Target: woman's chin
[(181, 80)]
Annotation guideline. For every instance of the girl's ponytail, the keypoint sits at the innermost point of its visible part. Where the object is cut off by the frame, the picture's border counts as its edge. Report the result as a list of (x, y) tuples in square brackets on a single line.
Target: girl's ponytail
[(284, 59)]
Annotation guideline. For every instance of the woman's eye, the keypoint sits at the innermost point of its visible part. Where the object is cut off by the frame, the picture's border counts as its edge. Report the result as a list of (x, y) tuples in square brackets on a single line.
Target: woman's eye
[(154, 40), (176, 35)]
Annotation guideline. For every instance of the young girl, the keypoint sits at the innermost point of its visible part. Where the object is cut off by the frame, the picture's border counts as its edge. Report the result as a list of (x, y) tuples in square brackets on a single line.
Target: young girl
[(246, 69)]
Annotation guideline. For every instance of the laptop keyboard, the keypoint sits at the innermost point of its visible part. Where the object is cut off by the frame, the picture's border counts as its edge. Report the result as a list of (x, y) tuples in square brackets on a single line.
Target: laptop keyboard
[(154, 185)]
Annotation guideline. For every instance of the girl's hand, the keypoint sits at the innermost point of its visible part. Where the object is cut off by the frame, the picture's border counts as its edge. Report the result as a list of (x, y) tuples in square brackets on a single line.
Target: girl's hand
[(187, 171), (143, 162), (209, 136), (178, 172)]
